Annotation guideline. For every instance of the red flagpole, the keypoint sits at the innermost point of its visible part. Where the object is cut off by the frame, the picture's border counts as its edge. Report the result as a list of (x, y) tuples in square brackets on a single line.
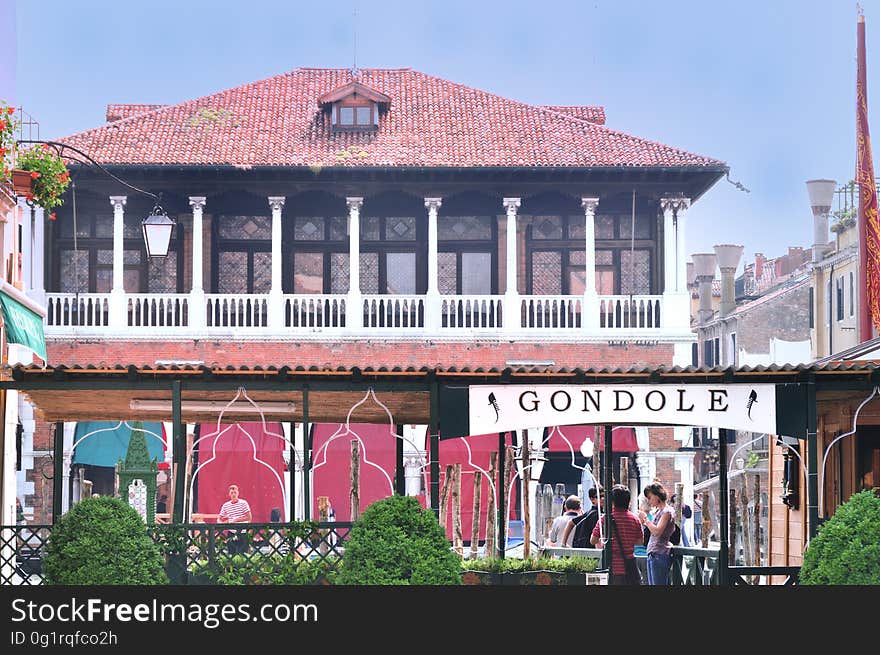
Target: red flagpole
[(869, 225)]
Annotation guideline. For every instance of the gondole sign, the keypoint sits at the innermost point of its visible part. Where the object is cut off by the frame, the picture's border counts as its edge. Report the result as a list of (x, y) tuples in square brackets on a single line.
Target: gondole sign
[(750, 407)]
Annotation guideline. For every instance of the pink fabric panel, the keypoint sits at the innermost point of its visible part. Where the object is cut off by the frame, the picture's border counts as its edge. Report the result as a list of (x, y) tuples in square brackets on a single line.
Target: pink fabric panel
[(234, 463), (333, 478)]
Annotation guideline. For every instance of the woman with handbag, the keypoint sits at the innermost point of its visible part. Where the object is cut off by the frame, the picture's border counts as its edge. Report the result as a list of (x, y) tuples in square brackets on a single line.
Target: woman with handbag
[(626, 533), (660, 527)]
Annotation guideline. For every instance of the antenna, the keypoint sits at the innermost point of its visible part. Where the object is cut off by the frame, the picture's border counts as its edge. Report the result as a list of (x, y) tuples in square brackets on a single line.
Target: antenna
[(354, 68)]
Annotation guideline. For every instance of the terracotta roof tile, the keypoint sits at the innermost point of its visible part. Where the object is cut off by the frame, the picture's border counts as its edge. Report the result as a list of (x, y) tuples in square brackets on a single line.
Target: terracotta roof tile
[(583, 112), (429, 122), (119, 111)]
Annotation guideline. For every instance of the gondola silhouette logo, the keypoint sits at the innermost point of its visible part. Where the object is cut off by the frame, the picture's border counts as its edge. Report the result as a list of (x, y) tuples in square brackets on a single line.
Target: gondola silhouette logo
[(753, 398), (494, 403)]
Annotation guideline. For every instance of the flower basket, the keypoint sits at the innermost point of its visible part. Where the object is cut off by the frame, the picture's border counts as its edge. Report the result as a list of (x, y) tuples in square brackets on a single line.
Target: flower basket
[(22, 182)]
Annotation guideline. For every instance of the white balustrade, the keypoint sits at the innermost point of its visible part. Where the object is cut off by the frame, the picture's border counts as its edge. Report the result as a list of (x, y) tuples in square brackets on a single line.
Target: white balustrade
[(404, 314), (474, 312), (314, 311), (228, 310), (553, 312), (66, 310), (399, 312), (630, 312), (158, 310)]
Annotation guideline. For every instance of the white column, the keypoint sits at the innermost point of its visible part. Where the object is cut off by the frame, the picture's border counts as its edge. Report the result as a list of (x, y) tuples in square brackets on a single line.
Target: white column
[(675, 312), (117, 294), (590, 314), (197, 309), (511, 292), (67, 449), (276, 296), (7, 472), (354, 314), (432, 310), (680, 247), (669, 245), (27, 247), (38, 260)]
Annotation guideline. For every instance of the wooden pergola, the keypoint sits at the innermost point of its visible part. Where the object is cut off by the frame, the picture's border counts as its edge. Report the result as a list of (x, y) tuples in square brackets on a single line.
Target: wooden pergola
[(434, 397)]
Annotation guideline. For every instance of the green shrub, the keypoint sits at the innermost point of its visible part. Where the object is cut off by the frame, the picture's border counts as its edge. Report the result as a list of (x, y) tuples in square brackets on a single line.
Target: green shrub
[(396, 542), (102, 541), (290, 569), (846, 551), (518, 565)]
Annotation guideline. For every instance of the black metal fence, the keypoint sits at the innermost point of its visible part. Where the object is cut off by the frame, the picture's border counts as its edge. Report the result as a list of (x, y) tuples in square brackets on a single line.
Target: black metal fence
[(206, 553)]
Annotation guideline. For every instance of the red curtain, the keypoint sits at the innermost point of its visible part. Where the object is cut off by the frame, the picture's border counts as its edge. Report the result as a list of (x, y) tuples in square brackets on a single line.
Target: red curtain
[(229, 457)]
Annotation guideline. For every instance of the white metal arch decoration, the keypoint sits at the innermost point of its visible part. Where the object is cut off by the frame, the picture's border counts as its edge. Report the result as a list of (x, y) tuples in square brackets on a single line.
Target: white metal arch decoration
[(217, 433), (344, 429), (874, 393)]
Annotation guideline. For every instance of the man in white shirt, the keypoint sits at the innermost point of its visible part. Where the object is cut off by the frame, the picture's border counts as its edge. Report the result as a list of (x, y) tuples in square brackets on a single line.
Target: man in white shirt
[(572, 509), (235, 510)]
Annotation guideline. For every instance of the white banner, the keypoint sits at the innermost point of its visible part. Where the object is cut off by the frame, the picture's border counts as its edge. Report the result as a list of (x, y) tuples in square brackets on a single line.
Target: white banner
[(750, 407)]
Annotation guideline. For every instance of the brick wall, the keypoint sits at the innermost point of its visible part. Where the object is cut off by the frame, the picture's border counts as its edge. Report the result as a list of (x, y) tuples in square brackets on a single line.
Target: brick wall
[(348, 354), (784, 317)]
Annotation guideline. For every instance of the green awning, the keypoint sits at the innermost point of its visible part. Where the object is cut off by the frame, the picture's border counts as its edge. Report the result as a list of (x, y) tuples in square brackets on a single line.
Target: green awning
[(23, 325)]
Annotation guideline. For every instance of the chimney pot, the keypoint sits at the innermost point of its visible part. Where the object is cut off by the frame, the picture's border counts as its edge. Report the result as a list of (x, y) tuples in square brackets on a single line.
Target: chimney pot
[(821, 194), (728, 259)]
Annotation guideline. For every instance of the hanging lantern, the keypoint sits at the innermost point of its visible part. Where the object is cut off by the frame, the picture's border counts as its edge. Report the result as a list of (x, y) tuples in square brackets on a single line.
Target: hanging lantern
[(157, 232)]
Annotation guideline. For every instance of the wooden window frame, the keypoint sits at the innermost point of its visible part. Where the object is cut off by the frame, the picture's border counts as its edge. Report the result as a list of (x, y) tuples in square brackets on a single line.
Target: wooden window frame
[(355, 126)]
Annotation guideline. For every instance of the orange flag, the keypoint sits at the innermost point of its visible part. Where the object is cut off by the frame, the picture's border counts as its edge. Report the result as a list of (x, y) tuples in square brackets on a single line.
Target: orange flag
[(869, 224)]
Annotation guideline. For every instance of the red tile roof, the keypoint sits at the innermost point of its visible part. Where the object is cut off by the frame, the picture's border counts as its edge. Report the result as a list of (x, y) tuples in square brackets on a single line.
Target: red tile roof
[(584, 112), (118, 112), (430, 122)]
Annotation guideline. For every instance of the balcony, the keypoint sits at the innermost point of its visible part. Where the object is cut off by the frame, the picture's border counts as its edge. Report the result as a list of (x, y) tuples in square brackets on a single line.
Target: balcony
[(413, 316)]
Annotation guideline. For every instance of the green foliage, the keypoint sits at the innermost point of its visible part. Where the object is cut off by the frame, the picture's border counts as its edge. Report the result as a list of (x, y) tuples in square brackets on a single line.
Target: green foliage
[(846, 551), (8, 127), (516, 565), (396, 542), (290, 569), (50, 176), (102, 541)]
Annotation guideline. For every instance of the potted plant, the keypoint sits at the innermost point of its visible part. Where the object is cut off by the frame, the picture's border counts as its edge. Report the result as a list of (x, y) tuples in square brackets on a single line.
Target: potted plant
[(49, 176), (538, 571)]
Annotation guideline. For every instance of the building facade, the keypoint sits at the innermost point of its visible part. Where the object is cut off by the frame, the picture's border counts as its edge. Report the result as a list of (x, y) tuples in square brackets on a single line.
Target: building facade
[(353, 219)]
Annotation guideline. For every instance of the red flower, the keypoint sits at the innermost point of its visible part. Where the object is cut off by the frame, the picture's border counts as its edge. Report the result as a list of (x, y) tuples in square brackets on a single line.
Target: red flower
[(35, 174), (10, 110), (29, 196), (2, 125), (2, 152), (46, 147), (52, 216)]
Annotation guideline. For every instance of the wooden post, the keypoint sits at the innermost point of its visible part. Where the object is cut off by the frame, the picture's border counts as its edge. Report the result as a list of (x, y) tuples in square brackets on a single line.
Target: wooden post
[(731, 554), (444, 495), (746, 523), (475, 524), (491, 522), (679, 502), (456, 509), (508, 470), (624, 476), (354, 493), (548, 511), (323, 517), (707, 521), (526, 496), (757, 516)]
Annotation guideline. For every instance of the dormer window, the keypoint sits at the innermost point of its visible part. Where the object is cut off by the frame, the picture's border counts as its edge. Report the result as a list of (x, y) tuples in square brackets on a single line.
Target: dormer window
[(356, 115), (354, 107)]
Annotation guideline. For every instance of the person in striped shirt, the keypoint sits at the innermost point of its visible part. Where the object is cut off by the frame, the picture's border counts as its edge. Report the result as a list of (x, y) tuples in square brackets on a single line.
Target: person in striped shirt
[(234, 510)]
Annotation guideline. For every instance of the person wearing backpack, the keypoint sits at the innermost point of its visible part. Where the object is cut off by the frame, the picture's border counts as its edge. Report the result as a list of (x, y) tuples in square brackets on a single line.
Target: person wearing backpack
[(583, 525), (660, 527)]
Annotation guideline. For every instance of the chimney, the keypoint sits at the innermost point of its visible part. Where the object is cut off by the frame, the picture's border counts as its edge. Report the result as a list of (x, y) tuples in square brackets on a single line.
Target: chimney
[(704, 273), (759, 265), (728, 259), (821, 194)]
